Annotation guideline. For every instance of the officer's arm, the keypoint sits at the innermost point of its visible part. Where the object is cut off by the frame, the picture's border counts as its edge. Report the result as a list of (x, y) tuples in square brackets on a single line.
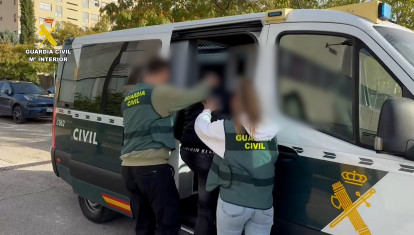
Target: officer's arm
[(167, 99), (211, 133)]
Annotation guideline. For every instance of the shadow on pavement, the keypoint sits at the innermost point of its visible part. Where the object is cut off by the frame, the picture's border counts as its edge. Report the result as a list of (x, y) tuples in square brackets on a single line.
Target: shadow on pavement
[(36, 134), (35, 201)]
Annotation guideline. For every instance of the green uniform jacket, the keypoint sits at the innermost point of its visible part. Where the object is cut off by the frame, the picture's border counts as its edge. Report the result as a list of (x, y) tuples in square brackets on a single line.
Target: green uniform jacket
[(148, 121), (245, 174)]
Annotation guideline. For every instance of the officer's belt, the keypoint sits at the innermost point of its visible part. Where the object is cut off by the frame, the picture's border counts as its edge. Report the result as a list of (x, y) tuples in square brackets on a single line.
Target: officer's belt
[(241, 178)]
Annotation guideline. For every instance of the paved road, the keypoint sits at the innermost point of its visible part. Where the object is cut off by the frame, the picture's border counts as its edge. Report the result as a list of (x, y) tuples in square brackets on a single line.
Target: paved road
[(32, 199)]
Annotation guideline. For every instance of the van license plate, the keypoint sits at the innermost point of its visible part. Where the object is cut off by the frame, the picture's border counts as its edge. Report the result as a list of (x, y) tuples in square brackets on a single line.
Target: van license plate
[(49, 110)]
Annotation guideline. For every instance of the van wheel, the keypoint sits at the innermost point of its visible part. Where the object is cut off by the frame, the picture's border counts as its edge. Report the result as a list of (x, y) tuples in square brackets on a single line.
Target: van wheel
[(96, 212), (18, 115)]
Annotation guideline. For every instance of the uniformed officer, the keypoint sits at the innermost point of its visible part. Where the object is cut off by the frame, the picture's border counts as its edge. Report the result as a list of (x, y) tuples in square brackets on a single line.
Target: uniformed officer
[(148, 140), (243, 167)]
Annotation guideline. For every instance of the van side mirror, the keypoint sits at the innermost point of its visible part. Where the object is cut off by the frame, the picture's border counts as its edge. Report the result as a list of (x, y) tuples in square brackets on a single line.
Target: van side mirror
[(396, 128)]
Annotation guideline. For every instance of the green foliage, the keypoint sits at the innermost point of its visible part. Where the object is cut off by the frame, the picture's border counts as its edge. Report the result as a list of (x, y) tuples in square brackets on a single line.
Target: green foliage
[(86, 104), (66, 30), (113, 103), (27, 22), (103, 25), (403, 10), (94, 105), (15, 64), (8, 36), (69, 30), (137, 13)]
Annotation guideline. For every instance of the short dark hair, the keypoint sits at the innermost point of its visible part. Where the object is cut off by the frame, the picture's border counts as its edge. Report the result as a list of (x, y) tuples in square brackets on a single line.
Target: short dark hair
[(156, 65)]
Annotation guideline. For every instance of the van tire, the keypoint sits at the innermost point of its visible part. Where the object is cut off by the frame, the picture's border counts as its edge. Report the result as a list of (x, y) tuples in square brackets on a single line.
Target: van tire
[(96, 212), (18, 114)]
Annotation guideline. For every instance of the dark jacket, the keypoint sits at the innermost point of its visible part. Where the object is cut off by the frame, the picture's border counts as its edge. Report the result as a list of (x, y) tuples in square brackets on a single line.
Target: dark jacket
[(184, 125)]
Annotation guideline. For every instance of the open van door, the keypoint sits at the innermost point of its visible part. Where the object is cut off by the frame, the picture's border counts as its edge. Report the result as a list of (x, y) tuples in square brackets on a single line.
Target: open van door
[(329, 178), (88, 125)]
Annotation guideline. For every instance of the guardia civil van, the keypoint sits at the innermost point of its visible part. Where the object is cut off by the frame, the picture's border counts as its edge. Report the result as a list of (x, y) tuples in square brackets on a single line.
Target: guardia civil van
[(338, 82)]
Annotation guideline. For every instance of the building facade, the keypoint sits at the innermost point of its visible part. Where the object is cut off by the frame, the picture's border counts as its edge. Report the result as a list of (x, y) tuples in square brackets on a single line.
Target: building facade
[(84, 13), (9, 15)]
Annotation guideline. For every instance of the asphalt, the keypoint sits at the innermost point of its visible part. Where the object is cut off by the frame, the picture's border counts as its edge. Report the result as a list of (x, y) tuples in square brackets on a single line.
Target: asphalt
[(32, 199)]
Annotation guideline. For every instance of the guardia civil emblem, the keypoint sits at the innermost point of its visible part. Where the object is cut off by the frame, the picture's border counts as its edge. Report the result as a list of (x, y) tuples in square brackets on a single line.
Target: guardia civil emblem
[(341, 201)]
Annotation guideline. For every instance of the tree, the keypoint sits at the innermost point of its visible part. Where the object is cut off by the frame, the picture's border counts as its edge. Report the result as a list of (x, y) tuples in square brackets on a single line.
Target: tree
[(403, 10), (15, 63), (103, 25), (8, 36), (137, 13), (69, 30), (27, 22)]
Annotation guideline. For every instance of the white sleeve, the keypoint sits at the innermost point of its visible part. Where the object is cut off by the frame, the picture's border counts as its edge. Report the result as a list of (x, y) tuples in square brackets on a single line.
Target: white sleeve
[(211, 133)]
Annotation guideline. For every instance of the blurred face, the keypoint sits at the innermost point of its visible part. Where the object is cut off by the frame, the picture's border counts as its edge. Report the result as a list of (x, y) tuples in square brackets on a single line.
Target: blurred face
[(164, 76), (160, 77)]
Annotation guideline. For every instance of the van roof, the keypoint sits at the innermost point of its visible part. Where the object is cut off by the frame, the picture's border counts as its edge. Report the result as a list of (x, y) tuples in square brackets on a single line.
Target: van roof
[(295, 16)]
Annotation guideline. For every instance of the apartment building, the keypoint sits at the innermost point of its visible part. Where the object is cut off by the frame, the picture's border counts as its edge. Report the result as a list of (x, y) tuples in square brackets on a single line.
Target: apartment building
[(84, 13), (9, 15)]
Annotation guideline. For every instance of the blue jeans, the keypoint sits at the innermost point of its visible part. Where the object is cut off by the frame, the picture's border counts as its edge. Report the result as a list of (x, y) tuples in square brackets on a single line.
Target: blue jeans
[(233, 220)]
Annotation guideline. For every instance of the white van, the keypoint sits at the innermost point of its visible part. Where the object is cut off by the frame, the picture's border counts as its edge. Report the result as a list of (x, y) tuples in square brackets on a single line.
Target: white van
[(338, 82)]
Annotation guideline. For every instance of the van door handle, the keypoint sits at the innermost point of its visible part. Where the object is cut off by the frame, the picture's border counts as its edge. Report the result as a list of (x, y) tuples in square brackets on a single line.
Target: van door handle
[(287, 153), (288, 156)]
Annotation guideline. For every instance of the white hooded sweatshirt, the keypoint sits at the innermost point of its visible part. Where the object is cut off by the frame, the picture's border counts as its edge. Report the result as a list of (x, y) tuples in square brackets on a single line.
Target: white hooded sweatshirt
[(213, 133)]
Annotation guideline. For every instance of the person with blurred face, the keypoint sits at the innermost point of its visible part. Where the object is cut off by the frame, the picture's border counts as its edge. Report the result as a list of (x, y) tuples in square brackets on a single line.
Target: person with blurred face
[(243, 165), (198, 157), (148, 139)]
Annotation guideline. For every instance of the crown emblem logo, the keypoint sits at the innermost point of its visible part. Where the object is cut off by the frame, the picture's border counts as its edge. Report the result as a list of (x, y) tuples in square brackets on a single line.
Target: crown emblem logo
[(354, 178), (342, 201)]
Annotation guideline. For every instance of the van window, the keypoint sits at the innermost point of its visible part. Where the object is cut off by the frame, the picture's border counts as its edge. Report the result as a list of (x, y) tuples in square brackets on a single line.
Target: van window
[(376, 86), (100, 79), (67, 82), (94, 64), (316, 83)]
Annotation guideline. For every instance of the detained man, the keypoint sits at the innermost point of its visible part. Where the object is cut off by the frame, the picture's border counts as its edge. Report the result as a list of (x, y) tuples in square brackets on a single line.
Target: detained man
[(198, 158), (148, 139)]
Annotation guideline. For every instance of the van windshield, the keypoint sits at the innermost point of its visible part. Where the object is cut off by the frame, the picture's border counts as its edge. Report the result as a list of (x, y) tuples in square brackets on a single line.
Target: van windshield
[(401, 40), (28, 88)]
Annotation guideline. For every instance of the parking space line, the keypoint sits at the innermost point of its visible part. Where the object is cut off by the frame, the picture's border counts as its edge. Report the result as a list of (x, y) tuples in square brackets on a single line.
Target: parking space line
[(7, 168)]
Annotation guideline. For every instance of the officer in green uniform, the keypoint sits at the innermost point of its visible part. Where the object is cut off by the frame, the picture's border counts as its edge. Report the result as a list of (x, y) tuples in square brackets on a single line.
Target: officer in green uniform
[(148, 139), (245, 174), (243, 166)]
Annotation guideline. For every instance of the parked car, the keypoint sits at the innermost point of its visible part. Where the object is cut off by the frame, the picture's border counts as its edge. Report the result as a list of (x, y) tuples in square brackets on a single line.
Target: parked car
[(24, 100)]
